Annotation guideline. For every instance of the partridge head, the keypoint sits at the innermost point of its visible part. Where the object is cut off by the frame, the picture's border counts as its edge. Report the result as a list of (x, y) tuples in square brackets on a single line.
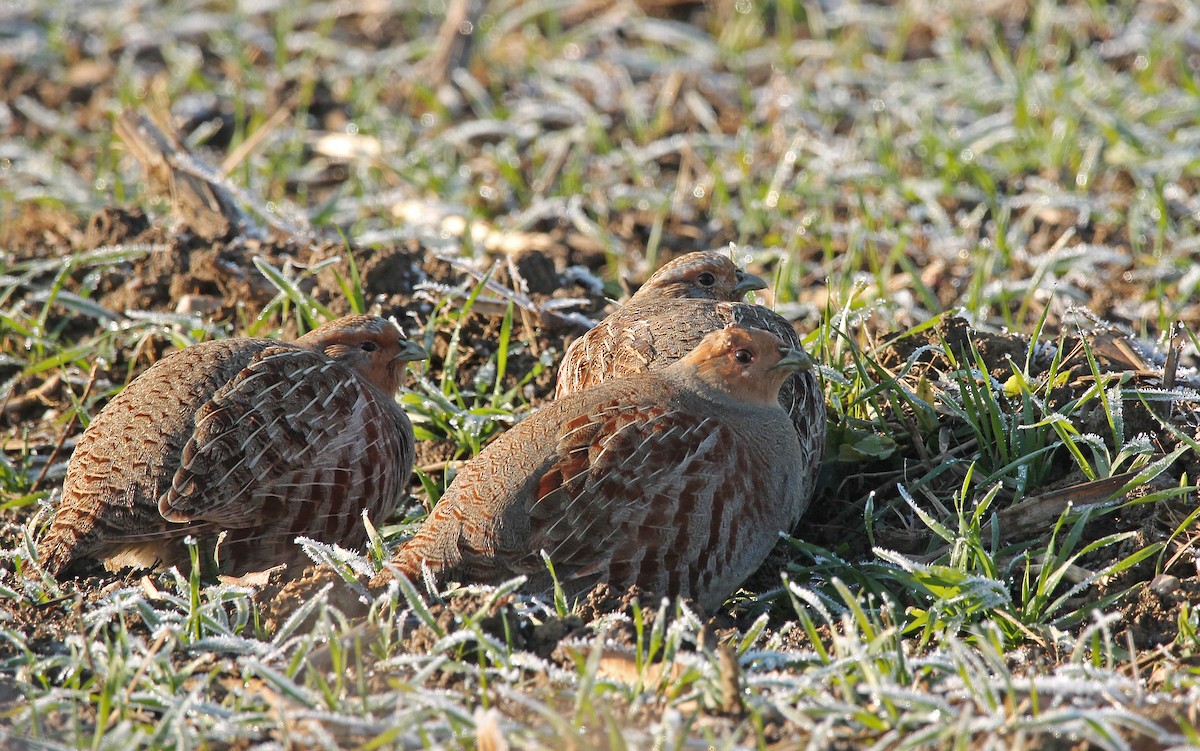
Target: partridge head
[(704, 275), (371, 346), (746, 365)]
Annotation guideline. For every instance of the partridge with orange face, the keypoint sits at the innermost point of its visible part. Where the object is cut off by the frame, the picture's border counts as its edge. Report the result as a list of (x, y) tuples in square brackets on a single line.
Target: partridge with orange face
[(261, 440), (677, 480), (669, 315)]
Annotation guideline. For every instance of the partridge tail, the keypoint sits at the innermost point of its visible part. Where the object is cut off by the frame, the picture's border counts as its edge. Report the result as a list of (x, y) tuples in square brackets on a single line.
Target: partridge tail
[(57, 549), (405, 562)]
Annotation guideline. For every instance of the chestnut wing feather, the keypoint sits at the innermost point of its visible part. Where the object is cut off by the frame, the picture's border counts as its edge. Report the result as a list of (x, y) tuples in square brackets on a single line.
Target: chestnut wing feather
[(629, 485), (285, 410)]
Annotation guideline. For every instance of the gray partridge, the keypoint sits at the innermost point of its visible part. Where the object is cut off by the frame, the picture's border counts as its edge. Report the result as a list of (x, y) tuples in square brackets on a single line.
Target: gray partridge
[(259, 439), (669, 315), (677, 480)]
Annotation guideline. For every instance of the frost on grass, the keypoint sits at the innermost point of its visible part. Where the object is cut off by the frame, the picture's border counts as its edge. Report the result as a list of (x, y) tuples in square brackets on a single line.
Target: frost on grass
[(184, 665)]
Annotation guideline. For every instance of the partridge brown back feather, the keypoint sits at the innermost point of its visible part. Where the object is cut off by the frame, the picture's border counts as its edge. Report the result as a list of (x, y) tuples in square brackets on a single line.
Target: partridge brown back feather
[(668, 317), (660, 480), (262, 440)]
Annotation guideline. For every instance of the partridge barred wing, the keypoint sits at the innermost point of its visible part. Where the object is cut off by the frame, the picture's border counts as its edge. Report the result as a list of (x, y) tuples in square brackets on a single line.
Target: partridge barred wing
[(116, 475), (581, 365), (653, 496), (284, 446)]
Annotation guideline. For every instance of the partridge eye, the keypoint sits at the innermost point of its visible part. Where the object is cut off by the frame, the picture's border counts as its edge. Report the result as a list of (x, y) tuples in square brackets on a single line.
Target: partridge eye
[(744, 356), (706, 279), (369, 346)]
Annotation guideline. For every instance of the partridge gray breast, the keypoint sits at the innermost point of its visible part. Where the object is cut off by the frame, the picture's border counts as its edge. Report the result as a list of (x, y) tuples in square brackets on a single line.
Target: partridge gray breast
[(677, 480), (262, 440)]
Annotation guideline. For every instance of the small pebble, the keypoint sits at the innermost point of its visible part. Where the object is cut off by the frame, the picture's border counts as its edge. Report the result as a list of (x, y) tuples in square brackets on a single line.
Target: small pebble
[(1164, 584)]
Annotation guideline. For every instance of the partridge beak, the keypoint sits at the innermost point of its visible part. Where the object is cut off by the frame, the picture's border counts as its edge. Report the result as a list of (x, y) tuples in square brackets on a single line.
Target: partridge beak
[(410, 351), (748, 283), (793, 359)]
